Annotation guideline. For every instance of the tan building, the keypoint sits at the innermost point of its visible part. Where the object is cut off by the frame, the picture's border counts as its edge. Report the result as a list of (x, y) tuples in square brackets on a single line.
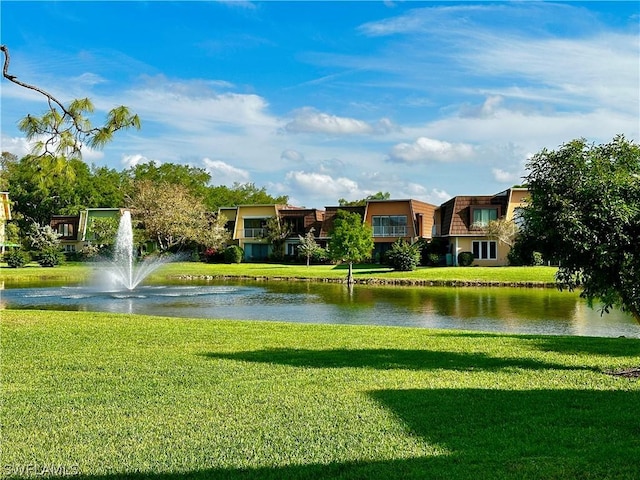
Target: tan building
[(463, 221), (5, 216), (75, 230), (392, 220), (247, 225)]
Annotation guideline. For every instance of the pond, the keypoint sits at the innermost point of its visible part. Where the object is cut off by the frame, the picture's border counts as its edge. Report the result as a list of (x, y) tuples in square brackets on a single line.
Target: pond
[(500, 309)]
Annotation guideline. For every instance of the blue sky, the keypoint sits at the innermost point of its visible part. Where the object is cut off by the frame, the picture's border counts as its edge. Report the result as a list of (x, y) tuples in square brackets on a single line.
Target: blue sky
[(328, 100)]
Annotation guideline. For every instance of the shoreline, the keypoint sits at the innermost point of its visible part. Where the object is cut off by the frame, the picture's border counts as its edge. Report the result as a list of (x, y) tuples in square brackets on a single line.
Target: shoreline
[(374, 281)]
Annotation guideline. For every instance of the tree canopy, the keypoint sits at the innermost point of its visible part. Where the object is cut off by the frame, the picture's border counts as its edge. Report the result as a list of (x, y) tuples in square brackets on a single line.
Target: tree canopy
[(357, 203), (173, 217), (276, 233), (241, 194), (308, 246), (351, 240), (584, 211), (195, 180)]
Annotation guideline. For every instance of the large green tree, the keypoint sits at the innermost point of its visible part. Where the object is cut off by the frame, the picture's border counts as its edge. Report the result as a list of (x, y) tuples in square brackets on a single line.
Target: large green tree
[(584, 211), (194, 179), (173, 217), (351, 240), (241, 194), (36, 201), (354, 203)]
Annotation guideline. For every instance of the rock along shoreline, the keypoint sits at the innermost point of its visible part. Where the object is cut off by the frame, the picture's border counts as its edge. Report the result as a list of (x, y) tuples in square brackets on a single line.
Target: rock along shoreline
[(375, 281)]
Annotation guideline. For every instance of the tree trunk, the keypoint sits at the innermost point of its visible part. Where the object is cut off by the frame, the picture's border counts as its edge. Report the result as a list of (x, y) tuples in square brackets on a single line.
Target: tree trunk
[(350, 274)]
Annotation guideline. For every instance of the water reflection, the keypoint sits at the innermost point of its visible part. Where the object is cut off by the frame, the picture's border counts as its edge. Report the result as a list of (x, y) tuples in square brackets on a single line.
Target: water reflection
[(512, 310)]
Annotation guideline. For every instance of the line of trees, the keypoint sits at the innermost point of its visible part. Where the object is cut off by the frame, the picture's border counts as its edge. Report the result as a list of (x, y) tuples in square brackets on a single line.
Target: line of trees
[(175, 204)]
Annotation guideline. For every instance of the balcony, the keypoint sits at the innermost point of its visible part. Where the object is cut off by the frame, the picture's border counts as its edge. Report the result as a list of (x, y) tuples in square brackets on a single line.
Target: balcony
[(254, 232), (390, 231)]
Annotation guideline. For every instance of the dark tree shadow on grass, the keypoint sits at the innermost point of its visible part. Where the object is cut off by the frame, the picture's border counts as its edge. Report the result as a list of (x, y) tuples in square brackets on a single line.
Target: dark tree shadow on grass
[(538, 434), (610, 347), (384, 359), (567, 344)]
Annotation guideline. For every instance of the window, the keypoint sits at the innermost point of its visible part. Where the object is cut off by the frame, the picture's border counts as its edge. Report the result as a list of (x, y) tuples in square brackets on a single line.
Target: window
[(254, 227), (390, 226), (518, 216), (65, 229), (296, 225), (292, 249), (485, 250), (482, 216)]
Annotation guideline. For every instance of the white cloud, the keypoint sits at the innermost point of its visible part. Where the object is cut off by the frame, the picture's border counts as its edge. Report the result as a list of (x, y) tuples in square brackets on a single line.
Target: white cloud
[(548, 52), (438, 196), (129, 161), (292, 156), (418, 191), (90, 155), (19, 146), (428, 149), (535, 130), (195, 106), (488, 109), (568, 71), (322, 184), (506, 177), (308, 120), (88, 80), (224, 174)]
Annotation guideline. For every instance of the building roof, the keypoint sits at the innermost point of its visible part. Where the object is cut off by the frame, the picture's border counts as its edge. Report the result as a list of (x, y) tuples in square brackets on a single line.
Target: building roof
[(455, 214)]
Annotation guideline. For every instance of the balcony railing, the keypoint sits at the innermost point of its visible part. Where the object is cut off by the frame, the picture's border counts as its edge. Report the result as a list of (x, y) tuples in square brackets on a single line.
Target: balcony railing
[(395, 231), (254, 232)]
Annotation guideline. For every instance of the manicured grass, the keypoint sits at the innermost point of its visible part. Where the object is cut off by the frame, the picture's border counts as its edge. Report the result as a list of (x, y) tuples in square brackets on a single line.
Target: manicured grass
[(80, 272), (32, 272), (462, 274), (122, 396)]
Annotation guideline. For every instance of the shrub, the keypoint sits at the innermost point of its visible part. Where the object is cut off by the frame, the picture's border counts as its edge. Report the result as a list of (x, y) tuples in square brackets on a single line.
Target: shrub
[(90, 252), (438, 246), (465, 259), (233, 254), (50, 257), (538, 260), (16, 258), (320, 256), (404, 256), (434, 259), (211, 255), (74, 256), (523, 253)]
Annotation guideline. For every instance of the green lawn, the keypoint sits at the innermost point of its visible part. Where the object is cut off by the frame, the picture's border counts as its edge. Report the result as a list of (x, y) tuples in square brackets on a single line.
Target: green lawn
[(122, 396), (81, 271)]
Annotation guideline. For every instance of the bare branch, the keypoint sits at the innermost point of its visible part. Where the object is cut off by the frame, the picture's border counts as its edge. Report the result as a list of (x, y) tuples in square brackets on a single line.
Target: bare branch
[(14, 79), (68, 131)]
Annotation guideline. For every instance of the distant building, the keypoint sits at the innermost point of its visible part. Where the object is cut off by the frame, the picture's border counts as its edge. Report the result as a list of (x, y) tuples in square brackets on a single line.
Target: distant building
[(463, 220), (75, 230), (5, 216)]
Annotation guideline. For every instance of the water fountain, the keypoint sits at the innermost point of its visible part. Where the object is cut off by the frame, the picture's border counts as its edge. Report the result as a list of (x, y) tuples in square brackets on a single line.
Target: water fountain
[(123, 272)]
